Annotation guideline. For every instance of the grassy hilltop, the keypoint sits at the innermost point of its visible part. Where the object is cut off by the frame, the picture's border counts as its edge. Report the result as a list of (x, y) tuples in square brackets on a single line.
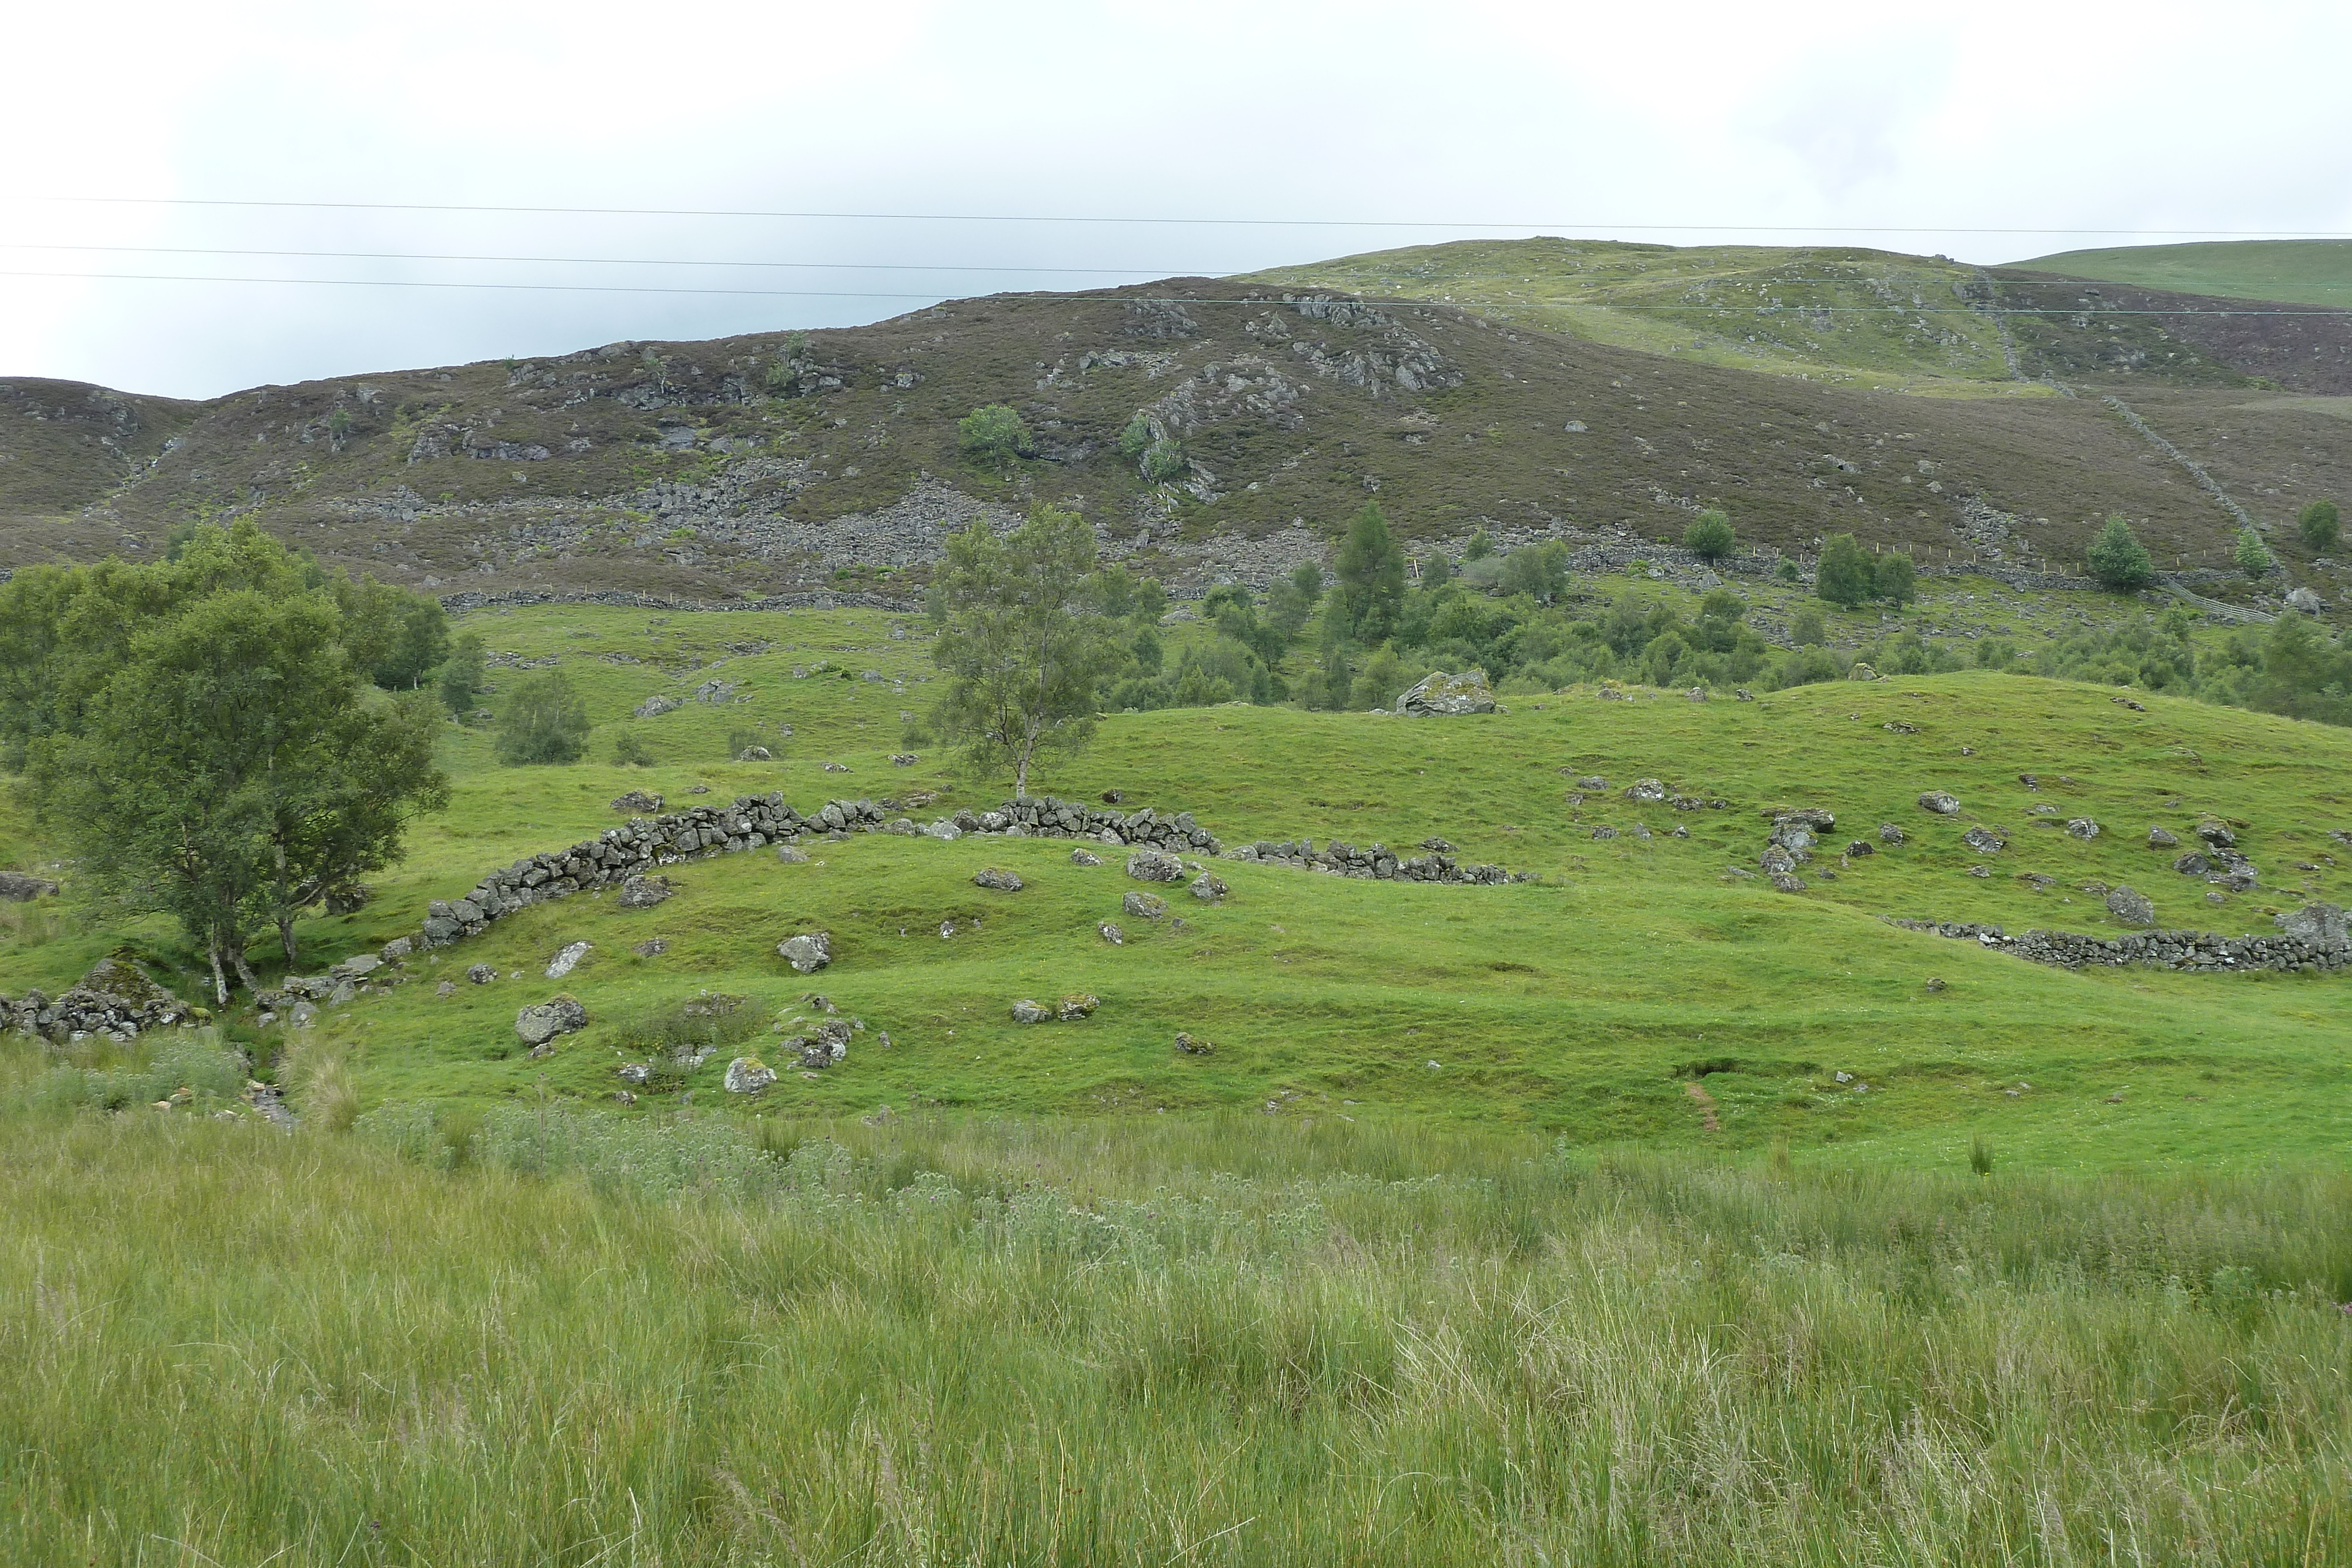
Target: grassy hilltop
[(2306, 271)]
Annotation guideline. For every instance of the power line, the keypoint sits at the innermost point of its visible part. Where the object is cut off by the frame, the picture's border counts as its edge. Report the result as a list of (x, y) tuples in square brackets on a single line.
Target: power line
[(1146, 272), (1782, 310), (1207, 222), (609, 260)]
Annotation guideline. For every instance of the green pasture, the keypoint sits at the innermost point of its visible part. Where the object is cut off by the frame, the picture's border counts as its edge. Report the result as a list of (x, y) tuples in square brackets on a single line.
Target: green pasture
[(2304, 271), (1637, 990)]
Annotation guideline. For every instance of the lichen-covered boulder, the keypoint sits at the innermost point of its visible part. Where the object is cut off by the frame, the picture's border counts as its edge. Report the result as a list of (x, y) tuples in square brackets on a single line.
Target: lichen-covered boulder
[(1939, 802), (1142, 906), (749, 1075), (808, 952), (1445, 696), (1075, 1006), (1208, 887), (645, 892), (543, 1021), (2322, 924), (1028, 1011), (1155, 865), (1984, 840), (2157, 839), (2132, 908), (997, 878)]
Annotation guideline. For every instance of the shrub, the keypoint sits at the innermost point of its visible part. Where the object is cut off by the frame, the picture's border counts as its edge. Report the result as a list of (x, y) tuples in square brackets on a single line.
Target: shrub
[(1709, 535), (2318, 525), (1163, 461), (1481, 546), (2117, 559), (1135, 439), (545, 721), (461, 677), (1896, 578), (1847, 576), (1787, 571), (1147, 653), (1540, 570), (2254, 557), (994, 433), (628, 751), (1808, 629)]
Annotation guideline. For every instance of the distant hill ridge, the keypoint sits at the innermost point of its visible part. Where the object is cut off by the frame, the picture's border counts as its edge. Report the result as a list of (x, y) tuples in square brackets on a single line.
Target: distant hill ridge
[(779, 463)]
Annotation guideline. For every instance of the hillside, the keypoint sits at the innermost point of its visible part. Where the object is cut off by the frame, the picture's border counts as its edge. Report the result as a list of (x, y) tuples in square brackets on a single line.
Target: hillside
[(781, 463), (1922, 325), (2304, 271), (1573, 1004)]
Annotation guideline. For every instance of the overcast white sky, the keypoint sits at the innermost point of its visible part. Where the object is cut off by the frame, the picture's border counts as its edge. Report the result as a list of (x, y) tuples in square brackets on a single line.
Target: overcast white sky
[(1563, 118)]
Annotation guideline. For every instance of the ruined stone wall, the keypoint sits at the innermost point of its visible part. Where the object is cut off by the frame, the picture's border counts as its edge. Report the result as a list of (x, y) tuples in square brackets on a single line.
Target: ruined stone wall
[(2309, 945)]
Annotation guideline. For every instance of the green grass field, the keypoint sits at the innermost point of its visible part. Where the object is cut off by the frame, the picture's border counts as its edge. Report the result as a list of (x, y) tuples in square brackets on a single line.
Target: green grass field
[(2304, 271), (1527, 1224), (1757, 307), (1590, 1003)]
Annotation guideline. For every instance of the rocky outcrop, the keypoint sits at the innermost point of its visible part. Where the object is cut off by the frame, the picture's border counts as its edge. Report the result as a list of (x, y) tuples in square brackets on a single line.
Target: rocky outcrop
[(1444, 695), (2310, 939)]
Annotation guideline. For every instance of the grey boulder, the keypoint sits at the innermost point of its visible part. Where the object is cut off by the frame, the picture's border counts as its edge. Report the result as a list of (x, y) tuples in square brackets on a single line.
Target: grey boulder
[(747, 1075), (998, 878), (2322, 924), (807, 952), (560, 1014), (1937, 801), (1143, 905), (644, 892), (2130, 907), (1444, 695), (1154, 865)]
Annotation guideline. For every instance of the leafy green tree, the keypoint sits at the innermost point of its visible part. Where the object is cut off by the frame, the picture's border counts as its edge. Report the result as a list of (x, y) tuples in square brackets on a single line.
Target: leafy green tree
[(545, 721), (628, 751), (2253, 557), (1787, 571), (1895, 578), (1709, 535), (396, 636), (994, 433), (461, 679), (1163, 461), (1149, 656), (1370, 569), (2318, 525), (1135, 439), (1307, 578), (1844, 575), (1539, 571), (1229, 608), (2117, 559), (1481, 546), (1437, 571), (1807, 629), (1287, 610), (1021, 641), (201, 733), (1385, 677)]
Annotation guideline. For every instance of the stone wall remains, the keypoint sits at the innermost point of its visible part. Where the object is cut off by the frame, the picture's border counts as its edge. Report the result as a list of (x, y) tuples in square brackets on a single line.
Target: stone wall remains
[(2318, 947)]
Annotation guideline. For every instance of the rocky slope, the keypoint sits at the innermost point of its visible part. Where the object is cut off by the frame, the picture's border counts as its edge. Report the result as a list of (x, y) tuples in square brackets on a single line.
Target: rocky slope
[(786, 463)]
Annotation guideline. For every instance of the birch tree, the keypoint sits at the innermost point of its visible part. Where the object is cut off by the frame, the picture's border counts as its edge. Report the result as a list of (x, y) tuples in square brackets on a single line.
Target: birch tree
[(1021, 641)]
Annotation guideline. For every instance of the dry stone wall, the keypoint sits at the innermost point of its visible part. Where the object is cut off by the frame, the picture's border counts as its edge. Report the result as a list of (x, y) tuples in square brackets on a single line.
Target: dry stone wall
[(2313, 939)]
